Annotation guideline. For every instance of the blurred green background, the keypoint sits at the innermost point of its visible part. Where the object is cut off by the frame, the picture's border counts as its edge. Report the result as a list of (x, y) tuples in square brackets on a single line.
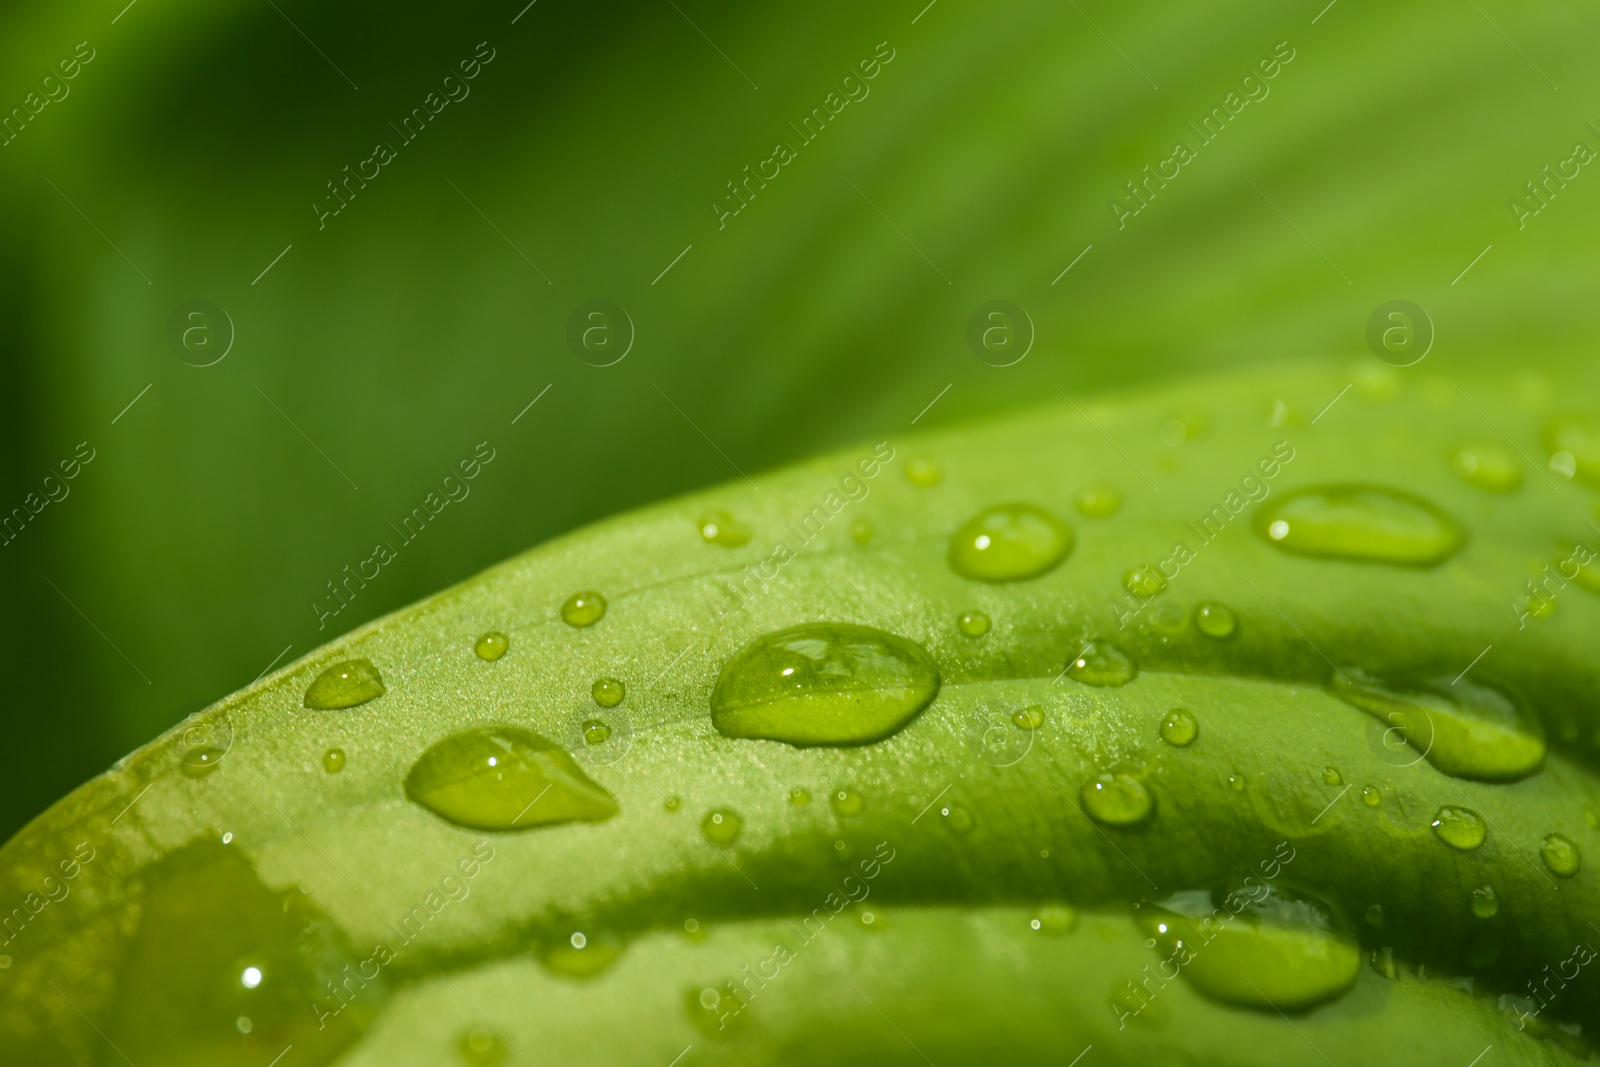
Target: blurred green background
[(378, 351)]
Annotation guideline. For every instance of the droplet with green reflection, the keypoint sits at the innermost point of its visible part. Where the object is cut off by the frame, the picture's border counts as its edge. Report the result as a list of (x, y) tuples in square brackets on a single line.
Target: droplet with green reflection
[(505, 778), (1102, 664), (1362, 523), (1560, 854), (1008, 543), (1465, 729), (1116, 799), (1460, 828), (345, 685), (1180, 727)]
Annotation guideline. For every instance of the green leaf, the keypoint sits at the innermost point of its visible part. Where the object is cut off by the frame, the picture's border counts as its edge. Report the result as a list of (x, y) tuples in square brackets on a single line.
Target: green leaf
[(761, 901)]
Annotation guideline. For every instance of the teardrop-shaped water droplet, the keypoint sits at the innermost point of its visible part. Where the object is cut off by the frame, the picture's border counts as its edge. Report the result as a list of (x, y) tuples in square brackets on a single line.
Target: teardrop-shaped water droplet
[(721, 528), (1102, 663), (1460, 827), (1028, 718), (505, 778), (1560, 855), (1365, 523), (583, 609), (1009, 542), (596, 731), (847, 803), (1179, 727), (1117, 799), (1575, 438), (1269, 947), (345, 685), (333, 760), (1215, 620), (1331, 776), (923, 472), (1487, 466), (491, 646), (580, 953), (608, 692), (823, 683), (1464, 729), (973, 623), (1371, 796), (1097, 501), (1484, 903), (722, 827)]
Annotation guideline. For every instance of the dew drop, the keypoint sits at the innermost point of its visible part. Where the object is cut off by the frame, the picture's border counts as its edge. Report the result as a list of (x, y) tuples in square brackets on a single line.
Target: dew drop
[(722, 827), (201, 761), (1144, 581), (1484, 903), (1560, 855), (1331, 776), (333, 760), (847, 803), (583, 609), (870, 919), (693, 930), (1097, 501), (345, 685), (491, 646), (923, 472), (505, 778), (823, 684), (1028, 718), (1116, 799), (956, 817), (672, 805), (973, 623), (1179, 727), (1358, 522), (1464, 729), (479, 1047), (861, 532), (1285, 950), (1486, 466), (580, 953), (596, 732), (1215, 620), (1236, 782), (1057, 920), (799, 797), (1460, 828), (1575, 439), (1371, 796), (1102, 664), (1009, 542), (721, 528), (607, 692)]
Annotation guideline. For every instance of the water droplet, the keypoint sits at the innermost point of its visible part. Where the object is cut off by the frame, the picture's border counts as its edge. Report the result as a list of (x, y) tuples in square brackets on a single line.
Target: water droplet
[(1029, 718), (607, 692), (720, 528), (1009, 542), (344, 685), (581, 953), (1236, 782), (823, 684), (1055, 919), (505, 778), (491, 646), (672, 805), (1371, 796), (1560, 855), (227, 837), (481, 1048), (333, 760), (1102, 663), (1116, 799), (202, 760), (799, 797), (1484, 903), (973, 623), (1279, 949), (1464, 729), (1564, 464), (1576, 439), (923, 472), (722, 827), (1179, 727), (243, 1024), (956, 817), (1331, 776), (847, 803), (1097, 501), (1358, 522), (583, 609), (1144, 581), (861, 532), (1460, 827), (871, 920), (693, 930), (596, 732), (1487, 466), (1375, 915), (1215, 620)]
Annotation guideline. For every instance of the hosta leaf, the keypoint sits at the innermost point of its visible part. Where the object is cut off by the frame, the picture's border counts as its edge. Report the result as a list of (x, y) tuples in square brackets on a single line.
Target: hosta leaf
[(1164, 718)]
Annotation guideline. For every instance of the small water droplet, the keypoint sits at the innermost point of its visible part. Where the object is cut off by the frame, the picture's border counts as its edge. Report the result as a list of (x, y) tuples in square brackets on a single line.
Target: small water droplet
[(1560, 855), (596, 732), (722, 827), (200, 761), (1029, 718), (693, 930), (1331, 776), (672, 805), (607, 692), (861, 532), (1236, 782), (1484, 903), (1144, 581), (491, 646), (721, 528), (581, 953), (583, 609), (799, 797), (1215, 620), (244, 1024), (1097, 501), (1179, 727), (505, 778), (333, 760), (1464, 729), (1009, 542), (870, 919), (1487, 466), (1460, 827), (1102, 663), (1375, 915), (1358, 522), (1054, 919), (847, 802), (823, 684), (973, 623), (1574, 439), (1117, 799), (227, 837), (956, 817), (1371, 796), (345, 685), (923, 472), (481, 1048)]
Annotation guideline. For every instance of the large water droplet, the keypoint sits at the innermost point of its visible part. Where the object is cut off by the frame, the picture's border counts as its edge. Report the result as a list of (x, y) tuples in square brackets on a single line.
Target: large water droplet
[(1009, 542), (1360, 522), (823, 684), (1576, 439), (1460, 827), (344, 685), (505, 778), (1464, 729), (1179, 727), (1215, 620), (1268, 947), (722, 827), (1487, 466), (1560, 855), (1116, 799), (491, 646), (1102, 663), (721, 528), (583, 609)]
